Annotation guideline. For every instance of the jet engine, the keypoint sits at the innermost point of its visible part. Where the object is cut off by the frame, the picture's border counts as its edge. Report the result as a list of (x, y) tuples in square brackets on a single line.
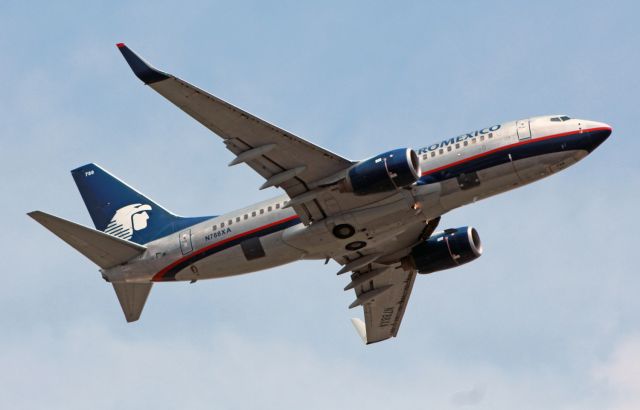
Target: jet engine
[(444, 250), (383, 173)]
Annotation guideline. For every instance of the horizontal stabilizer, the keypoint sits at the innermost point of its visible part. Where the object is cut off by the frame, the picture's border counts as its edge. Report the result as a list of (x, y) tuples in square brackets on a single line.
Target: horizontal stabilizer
[(132, 297), (103, 249)]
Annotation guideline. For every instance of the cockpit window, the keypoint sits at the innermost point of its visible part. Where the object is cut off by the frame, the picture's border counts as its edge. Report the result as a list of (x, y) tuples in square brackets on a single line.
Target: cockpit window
[(558, 119), (555, 119), (565, 118)]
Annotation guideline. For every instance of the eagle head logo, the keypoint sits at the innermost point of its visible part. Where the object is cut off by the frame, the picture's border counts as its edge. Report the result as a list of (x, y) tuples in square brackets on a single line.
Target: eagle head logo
[(127, 219)]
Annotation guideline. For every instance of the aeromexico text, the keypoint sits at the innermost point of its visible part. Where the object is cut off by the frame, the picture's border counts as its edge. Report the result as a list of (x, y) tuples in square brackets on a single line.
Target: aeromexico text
[(459, 138)]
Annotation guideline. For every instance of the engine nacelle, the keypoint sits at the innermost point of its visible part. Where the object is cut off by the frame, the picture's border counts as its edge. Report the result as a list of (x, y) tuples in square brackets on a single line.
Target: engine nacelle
[(383, 173), (444, 250)]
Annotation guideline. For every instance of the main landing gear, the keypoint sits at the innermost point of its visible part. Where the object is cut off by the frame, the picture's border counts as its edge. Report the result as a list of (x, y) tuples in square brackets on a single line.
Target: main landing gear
[(343, 231)]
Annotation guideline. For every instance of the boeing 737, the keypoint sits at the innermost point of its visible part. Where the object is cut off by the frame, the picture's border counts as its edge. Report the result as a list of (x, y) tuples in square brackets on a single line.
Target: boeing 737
[(377, 217)]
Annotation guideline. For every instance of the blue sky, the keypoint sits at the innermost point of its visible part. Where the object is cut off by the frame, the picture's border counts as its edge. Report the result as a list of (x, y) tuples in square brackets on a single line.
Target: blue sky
[(547, 318)]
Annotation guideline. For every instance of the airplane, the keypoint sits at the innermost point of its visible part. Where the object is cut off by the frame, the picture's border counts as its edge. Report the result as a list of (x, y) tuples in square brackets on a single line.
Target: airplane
[(376, 217)]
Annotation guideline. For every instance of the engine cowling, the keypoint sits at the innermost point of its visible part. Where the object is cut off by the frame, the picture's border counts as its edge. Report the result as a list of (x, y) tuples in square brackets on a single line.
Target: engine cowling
[(445, 250), (383, 173)]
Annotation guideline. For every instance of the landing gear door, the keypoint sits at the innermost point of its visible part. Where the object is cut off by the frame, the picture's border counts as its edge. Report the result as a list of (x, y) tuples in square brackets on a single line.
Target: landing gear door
[(185, 242), (524, 129)]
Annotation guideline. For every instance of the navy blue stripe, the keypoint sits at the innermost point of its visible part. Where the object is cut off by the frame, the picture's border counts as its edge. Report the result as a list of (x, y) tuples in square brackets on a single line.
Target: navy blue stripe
[(587, 141), (170, 275)]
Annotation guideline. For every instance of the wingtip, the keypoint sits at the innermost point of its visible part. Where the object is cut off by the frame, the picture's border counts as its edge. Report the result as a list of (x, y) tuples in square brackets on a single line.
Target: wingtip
[(143, 70), (361, 329)]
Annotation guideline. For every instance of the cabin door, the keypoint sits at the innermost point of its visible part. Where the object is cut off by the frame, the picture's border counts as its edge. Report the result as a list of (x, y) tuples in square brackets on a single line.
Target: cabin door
[(523, 128), (185, 242)]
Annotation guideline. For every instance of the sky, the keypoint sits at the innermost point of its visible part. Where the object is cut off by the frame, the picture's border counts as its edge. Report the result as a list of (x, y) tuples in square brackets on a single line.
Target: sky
[(546, 318)]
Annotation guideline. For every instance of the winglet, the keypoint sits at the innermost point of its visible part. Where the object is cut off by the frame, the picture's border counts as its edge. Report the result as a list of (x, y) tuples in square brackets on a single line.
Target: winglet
[(360, 328), (143, 70)]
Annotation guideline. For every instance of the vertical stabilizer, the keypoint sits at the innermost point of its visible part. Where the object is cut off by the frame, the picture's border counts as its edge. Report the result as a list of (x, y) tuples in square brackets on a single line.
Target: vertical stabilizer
[(121, 211)]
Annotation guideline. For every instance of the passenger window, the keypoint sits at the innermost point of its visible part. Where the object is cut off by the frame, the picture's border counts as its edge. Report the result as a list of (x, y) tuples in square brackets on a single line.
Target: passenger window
[(261, 211), (449, 148), (230, 222), (278, 206), (491, 135), (269, 209), (433, 154), (482, 138), (221, 225), (425, 156), (253, 213), (441, 151), (246, 216), (457, 145), (473, 141), (466, 143), (215, 227), (238, 219)]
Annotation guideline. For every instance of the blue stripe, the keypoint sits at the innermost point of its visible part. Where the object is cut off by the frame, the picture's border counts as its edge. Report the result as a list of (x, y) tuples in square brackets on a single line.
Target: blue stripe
[(586, 141), (170, 275)]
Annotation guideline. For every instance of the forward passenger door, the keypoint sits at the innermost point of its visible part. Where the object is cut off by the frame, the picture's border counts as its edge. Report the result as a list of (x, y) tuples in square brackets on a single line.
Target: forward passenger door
[(523, 128)]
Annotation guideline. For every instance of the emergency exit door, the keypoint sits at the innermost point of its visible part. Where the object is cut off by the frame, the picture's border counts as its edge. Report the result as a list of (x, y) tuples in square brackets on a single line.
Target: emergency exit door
[(523, 128)]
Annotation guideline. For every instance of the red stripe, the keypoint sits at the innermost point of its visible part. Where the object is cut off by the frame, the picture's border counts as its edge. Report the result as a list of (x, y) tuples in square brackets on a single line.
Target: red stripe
[(158, 276), (529, 141)]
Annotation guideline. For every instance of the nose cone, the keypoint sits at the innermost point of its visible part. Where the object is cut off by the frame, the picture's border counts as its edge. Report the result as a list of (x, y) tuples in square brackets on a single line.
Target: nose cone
[(598, 132)]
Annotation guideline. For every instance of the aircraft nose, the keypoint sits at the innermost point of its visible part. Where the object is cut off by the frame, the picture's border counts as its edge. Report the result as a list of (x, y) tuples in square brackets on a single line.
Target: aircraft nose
[(598, 133)]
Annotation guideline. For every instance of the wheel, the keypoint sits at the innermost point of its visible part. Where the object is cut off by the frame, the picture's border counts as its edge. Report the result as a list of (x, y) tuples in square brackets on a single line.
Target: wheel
[(354, 246), (343, 231)]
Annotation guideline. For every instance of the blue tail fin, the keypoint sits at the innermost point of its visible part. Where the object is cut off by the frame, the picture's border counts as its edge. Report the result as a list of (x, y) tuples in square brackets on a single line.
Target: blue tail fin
[(121, 211)]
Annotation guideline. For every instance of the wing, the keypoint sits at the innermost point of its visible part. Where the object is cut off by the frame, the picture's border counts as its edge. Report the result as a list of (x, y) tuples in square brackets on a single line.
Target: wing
[(282, 158), (383, 292), (383, 283)]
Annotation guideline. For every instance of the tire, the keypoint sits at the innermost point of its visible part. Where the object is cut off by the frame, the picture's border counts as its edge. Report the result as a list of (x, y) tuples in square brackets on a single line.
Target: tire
[(354, 246), (343, 231)]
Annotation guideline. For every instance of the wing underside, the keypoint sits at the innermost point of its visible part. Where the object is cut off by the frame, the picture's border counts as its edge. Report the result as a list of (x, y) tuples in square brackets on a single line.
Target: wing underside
[(383, 292), (281, 158)]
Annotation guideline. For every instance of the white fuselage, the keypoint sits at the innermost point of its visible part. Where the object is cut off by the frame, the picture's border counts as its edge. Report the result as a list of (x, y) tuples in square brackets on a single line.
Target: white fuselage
[(455, 172)]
